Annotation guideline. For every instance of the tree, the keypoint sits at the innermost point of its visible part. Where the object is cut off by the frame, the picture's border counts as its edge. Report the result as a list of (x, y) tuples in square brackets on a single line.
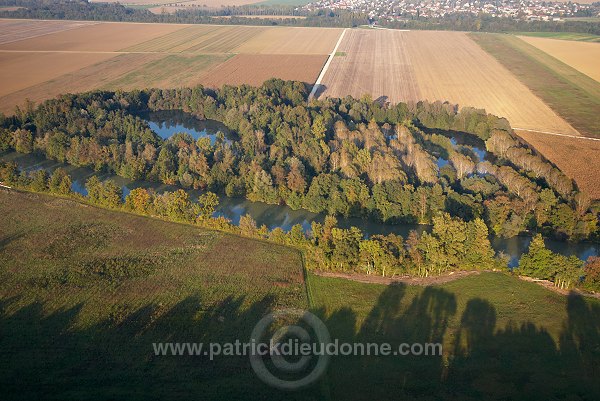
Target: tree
[(23, 141), (60, 182), (592, 273), (93, 186), (112, 195), (538, 262), (39, 182), (248, 226), (139, 200), (208, 203)]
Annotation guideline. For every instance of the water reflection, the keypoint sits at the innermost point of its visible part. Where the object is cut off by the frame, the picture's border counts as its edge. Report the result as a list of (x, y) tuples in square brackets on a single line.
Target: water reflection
[(166, 123), (283, 216)]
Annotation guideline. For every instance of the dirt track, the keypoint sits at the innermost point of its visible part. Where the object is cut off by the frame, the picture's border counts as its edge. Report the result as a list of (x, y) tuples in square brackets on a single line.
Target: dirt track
[(424, 281)]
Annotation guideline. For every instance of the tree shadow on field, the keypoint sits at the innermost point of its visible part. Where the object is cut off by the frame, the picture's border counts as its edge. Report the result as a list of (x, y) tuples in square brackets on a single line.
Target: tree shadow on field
[(57, 355), (320, 90), (480, 360), (62, 355)]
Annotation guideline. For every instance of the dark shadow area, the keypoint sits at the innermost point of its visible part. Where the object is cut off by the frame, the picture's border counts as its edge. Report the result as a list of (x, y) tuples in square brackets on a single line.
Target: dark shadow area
[(382, 100), (59, 356), (480, 360), (320, 90)]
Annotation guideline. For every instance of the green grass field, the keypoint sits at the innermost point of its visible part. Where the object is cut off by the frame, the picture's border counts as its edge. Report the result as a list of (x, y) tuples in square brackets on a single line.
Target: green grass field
[(85, 291), (571, 94), (503, 338), (582, 37)]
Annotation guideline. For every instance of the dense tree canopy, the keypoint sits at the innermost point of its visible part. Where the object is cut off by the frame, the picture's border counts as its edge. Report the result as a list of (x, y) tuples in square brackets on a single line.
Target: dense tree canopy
[(343, 157)]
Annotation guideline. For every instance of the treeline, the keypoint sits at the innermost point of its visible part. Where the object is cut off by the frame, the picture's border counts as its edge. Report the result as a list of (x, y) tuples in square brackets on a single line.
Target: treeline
[(487, 23), (348, 157), (83, 10), (452, 245)]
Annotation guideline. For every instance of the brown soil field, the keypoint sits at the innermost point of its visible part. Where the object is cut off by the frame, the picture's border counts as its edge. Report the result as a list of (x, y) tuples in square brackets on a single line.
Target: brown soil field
[(255, 69), (578, 158), (583, 56), (97, 37), (199, 38), (14, 30), (125, 71), (22, 70), (292, 40), (375, 63), (423, 65)]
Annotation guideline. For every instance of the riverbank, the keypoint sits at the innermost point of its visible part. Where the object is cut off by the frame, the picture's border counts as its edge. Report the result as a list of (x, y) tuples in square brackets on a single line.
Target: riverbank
[(284, 217)]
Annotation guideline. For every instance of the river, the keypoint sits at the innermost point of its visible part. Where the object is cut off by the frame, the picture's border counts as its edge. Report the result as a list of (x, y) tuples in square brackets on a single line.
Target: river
[(166, 124)]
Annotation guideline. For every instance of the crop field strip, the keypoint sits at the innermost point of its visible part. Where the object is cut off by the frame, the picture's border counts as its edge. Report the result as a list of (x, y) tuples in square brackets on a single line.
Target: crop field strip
[(97, 37), (254, 69), (201, 39), (113, 56), (15, 30), (583, 56), (571, 94), (372, 62), (447, 66), (583, 37), (577, 158)]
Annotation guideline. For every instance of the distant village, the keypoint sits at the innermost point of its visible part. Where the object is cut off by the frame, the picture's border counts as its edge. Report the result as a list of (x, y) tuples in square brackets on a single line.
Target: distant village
[(397, 10)]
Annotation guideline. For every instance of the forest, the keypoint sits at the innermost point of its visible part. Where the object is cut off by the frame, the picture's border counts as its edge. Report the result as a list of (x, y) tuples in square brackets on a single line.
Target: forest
[(453, 244), (84, 10), (343, 157)]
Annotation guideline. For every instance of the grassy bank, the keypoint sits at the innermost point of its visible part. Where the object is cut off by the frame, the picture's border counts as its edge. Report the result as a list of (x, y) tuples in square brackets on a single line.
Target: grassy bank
[(84, 292), (571, 94), (502, 339)]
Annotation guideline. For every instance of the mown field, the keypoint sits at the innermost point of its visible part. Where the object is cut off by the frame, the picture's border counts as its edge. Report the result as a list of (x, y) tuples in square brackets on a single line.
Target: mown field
[(571, 94), (85, 291), (42, 59), (583, 37), (503, 339), (447, 66), (581, 55)]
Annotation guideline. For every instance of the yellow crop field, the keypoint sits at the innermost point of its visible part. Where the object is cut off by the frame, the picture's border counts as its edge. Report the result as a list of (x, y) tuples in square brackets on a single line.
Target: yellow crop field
[(291, 40), (583, 56), (446, 66)]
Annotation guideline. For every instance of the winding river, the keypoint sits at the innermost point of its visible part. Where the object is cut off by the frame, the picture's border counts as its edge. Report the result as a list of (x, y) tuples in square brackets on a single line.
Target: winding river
[(167, 123)]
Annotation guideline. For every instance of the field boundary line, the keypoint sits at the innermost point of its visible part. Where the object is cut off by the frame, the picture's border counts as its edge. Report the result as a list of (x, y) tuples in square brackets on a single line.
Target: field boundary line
[(556, 134), (326, 66)]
